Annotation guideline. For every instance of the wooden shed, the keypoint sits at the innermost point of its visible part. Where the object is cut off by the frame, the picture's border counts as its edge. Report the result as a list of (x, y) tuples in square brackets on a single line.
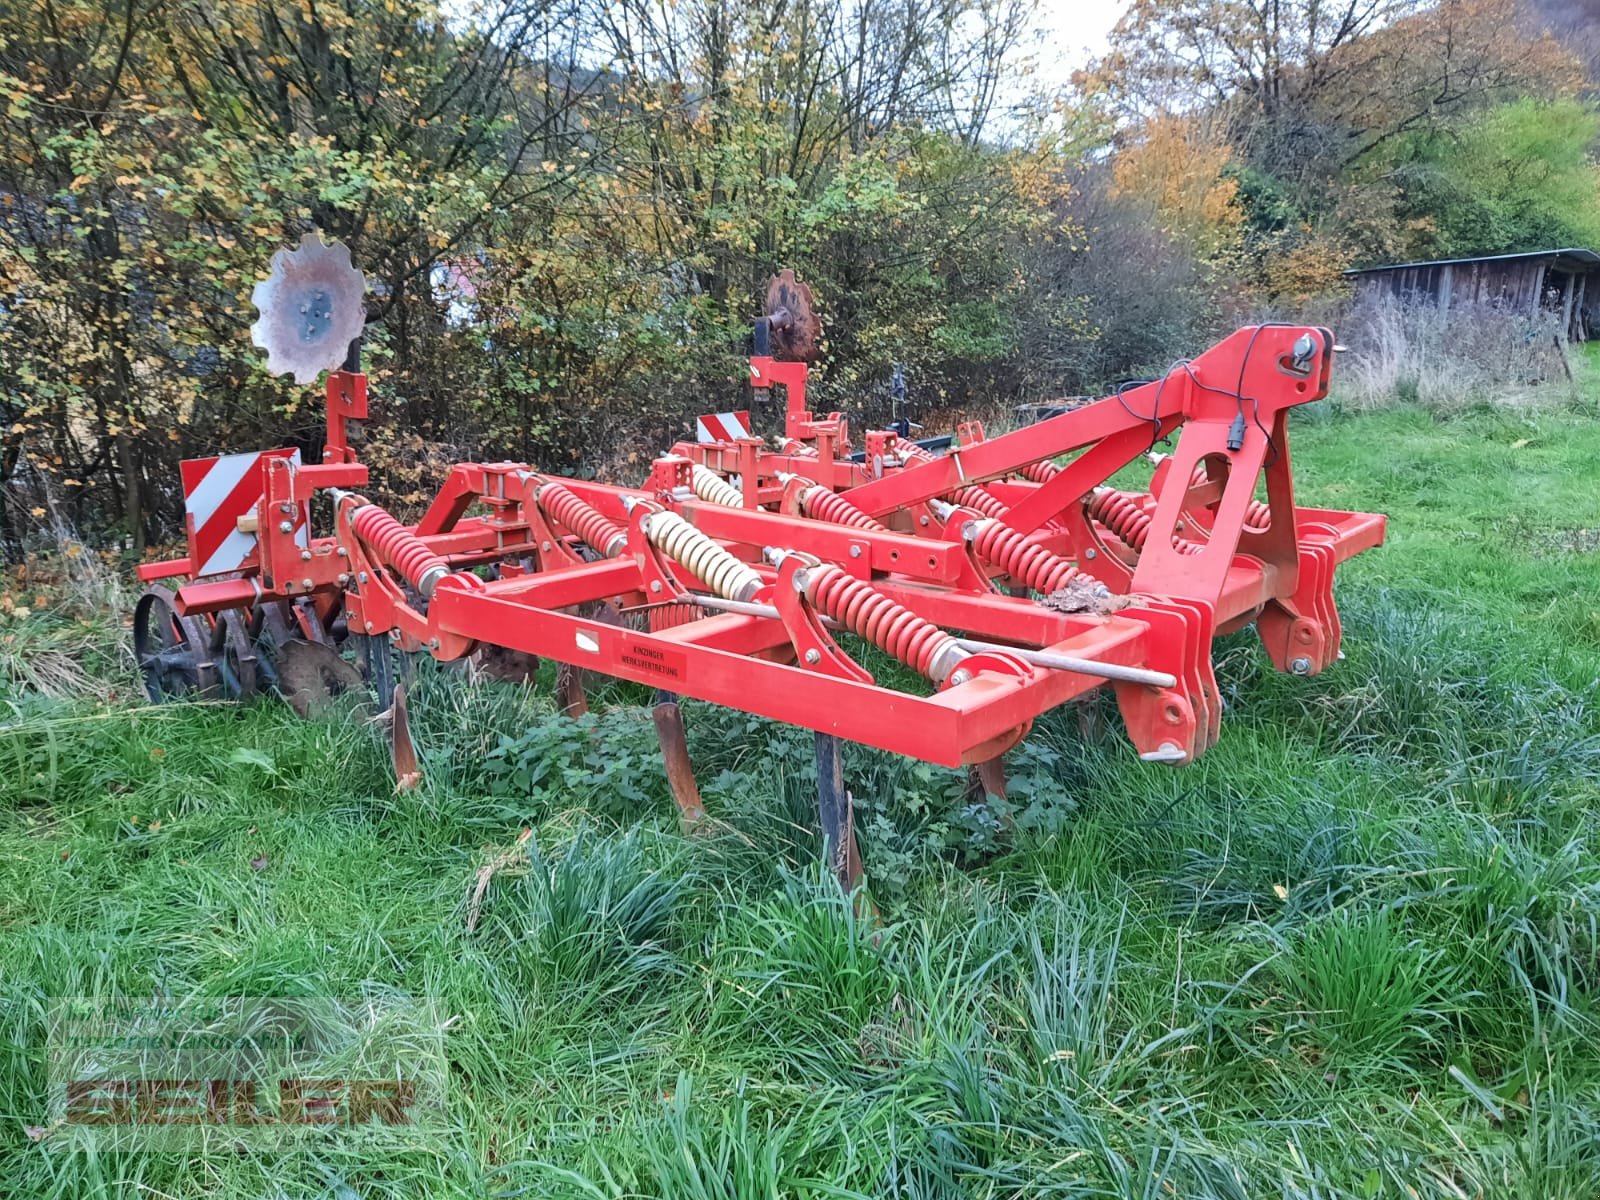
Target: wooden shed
[(1556, 281)]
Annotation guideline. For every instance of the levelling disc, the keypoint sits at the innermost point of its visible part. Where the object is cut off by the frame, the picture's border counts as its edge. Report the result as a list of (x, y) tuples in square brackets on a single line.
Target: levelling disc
[(792, 319), (312, 307)]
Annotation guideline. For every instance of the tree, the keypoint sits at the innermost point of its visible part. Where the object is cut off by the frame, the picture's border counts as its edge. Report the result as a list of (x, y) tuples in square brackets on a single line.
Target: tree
[(1518, 177), (1313, 95), (1181, 168)]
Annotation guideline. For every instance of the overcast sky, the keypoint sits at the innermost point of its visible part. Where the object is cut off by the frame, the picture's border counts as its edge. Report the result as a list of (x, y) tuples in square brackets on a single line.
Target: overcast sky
[(1074, 31)]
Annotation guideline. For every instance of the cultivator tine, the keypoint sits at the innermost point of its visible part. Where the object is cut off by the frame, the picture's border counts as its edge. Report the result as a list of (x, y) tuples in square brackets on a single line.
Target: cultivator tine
[(668, 718), (402, 751), (836, 811), (378, 663), (571, 699), (986, 782)]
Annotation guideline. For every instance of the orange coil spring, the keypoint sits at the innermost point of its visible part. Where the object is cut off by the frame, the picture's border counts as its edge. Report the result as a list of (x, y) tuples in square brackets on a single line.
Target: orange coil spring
[(979, 499), (824, 505), (1123, 515), (1257, 516), (670, 616), (1041, 472), (1042, 570), (395, 545), (974, 496), (579, 516), (888, 625)]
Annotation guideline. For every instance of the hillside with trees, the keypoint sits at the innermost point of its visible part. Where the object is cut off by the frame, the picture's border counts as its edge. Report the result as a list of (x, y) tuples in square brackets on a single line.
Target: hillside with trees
[(567, 209)]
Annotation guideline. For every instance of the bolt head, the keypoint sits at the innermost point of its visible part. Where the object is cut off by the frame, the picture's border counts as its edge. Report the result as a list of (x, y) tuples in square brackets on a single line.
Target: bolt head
[(305, 556), (362, 577), (957, 678), (343, 553), (545, 546), (922, 520), (285, 526), (1089, 553), (855, 551), (369, 626), (813, 656), (1301, 666), (307, 584), (655, 585)]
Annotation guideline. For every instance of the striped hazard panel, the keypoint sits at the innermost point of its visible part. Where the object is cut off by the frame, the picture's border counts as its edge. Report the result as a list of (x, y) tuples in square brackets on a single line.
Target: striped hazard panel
[(722, 427), (217, 492)]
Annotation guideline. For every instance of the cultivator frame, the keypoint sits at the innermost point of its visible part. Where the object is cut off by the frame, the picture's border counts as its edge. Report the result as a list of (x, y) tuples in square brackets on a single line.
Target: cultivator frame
[(1010, 583)]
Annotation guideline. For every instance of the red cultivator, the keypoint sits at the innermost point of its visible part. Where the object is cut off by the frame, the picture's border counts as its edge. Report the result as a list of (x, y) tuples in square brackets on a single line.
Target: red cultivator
[(1004, 571)]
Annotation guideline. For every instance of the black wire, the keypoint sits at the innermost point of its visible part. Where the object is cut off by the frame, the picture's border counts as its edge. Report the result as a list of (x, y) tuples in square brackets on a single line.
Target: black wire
[(1237, 395), (1255, 402), (1155, 409)]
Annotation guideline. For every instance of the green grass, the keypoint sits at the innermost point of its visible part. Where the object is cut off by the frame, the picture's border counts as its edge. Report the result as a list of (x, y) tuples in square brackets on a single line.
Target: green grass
[(1353, 952)]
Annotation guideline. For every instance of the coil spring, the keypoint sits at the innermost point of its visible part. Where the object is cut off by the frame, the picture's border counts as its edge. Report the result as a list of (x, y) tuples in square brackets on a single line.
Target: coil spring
[(398, 547), (980, 499), (1125, 517), (1122, 514), (973, 495), (684, 544), (824, 505), (888, 625), (714, 489), (576, 514), (670, 616), (1042, 570), (1041, 472), (1257, 516), (798, 449)]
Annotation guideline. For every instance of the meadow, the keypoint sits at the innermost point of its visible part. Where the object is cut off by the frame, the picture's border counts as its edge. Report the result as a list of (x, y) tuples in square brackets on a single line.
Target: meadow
[(1353, 952)]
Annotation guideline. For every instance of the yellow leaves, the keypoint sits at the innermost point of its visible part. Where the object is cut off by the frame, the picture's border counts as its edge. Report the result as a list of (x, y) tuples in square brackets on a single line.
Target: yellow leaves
[(1309, 270), (1177, 166)]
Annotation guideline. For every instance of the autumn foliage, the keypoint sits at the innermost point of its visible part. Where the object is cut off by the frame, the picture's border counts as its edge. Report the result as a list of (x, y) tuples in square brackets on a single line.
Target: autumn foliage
[(567, 209)]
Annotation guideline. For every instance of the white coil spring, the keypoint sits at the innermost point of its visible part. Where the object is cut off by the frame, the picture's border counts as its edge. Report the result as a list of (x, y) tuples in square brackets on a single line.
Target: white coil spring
[(684, 544), (713, 489)]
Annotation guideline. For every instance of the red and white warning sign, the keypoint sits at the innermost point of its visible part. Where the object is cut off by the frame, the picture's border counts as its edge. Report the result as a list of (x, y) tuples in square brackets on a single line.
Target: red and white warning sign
[(217, 493), (722, 427)]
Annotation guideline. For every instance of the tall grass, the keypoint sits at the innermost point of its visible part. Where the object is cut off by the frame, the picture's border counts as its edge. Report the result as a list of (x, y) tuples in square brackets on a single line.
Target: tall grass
[(1413, 351), (1353, 953)]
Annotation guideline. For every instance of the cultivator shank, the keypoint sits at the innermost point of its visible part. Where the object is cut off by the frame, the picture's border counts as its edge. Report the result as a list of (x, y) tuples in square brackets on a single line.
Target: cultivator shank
[(1006, 576)]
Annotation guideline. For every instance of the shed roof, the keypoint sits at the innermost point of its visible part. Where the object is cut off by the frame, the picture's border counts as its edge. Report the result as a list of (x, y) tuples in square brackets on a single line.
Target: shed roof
[(1572, 258)]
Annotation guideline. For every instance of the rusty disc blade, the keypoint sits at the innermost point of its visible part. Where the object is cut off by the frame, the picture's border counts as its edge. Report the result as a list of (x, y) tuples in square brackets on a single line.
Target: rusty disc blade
[(795, 330), (312, 307), (311, 675)]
